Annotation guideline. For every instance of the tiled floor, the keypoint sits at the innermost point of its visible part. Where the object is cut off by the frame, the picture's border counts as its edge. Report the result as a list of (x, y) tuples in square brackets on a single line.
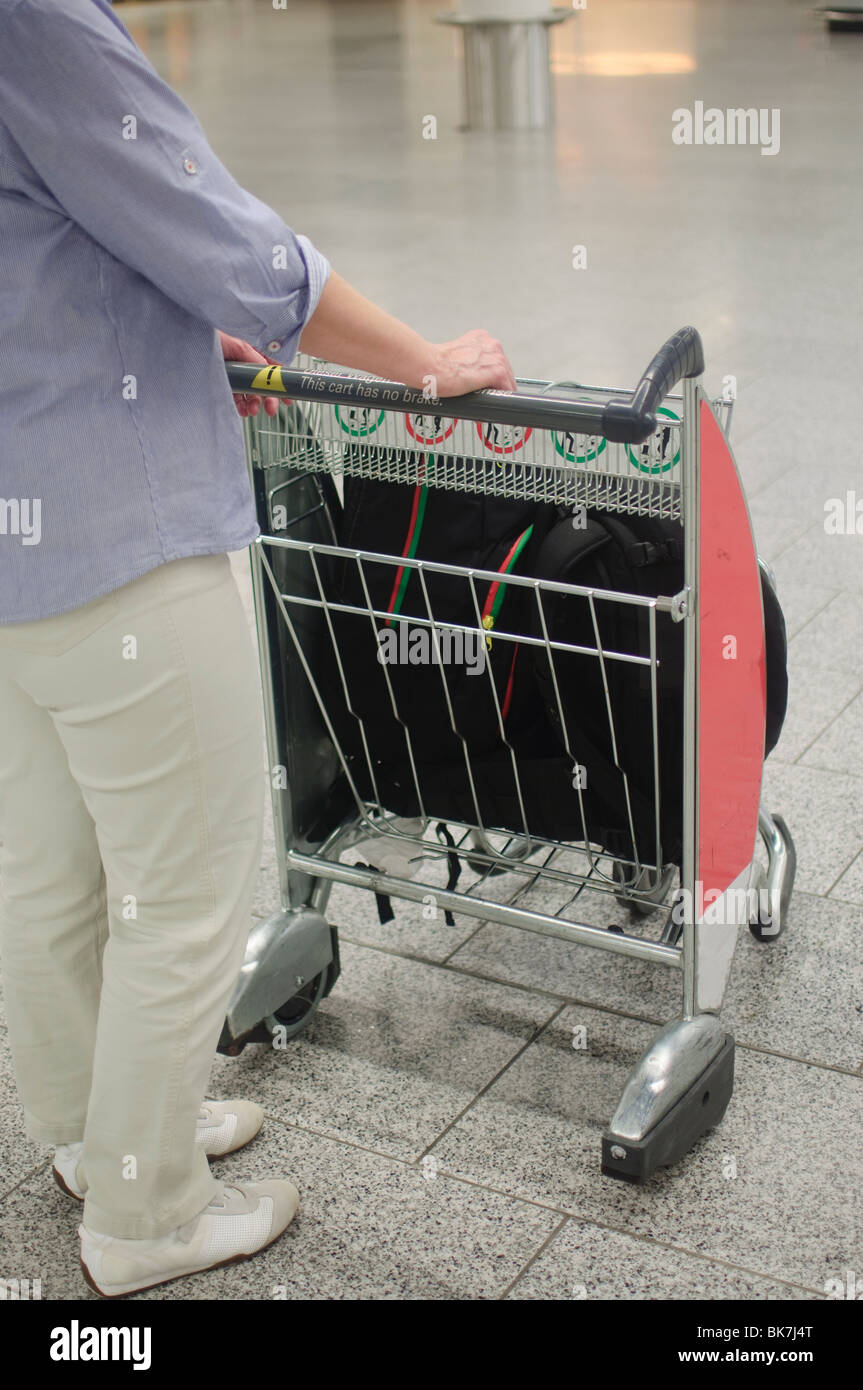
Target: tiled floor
[(442, 1127)]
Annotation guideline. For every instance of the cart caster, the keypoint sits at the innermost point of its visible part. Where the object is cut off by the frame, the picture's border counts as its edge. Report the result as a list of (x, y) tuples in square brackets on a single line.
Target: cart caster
[(296, 949), (651, 887), (776, 883), (292, 1017), (286, 1023), (678, 1091)]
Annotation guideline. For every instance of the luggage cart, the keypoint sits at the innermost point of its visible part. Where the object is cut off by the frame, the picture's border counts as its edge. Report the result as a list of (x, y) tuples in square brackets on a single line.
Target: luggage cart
[(647, 452)]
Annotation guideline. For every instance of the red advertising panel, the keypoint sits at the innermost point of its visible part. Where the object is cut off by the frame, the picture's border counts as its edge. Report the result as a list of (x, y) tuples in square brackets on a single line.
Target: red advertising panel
[(732, 682)]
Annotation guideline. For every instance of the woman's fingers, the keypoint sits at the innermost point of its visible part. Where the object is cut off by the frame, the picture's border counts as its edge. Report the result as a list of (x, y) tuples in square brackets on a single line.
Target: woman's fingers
[(237, 350)]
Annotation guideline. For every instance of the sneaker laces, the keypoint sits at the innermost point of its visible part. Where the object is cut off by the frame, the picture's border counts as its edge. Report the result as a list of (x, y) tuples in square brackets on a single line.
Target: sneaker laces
[(220, 1200)]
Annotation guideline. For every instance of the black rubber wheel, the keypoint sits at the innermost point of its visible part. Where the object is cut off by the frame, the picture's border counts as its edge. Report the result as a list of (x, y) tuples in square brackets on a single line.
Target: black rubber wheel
[(296, 1013)]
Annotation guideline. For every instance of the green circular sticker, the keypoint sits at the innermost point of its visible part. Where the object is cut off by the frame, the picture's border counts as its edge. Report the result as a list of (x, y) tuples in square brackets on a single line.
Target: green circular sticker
[(567, 446), (359, 421), (640, 456)]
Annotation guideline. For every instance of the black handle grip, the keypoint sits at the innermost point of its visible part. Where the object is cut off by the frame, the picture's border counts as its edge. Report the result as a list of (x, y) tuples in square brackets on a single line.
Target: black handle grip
[(622, 422), (630, 422)]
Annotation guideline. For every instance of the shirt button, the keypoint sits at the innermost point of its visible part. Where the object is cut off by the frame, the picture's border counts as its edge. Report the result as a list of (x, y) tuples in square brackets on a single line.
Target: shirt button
[(273, 347), (190, 166)]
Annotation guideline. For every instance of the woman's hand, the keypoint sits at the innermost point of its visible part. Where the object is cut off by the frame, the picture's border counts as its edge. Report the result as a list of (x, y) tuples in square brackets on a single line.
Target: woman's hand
[(469, 363), (235, 350)]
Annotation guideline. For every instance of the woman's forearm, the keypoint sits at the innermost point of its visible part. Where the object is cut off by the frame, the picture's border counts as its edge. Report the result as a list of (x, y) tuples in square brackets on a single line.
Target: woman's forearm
[(348, 329)]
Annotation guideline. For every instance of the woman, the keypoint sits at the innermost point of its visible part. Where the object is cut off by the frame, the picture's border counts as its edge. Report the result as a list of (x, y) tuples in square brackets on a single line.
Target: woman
[(131, 754)]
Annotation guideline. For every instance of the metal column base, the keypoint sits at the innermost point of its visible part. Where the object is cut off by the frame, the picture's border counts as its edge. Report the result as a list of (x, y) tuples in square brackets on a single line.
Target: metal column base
[(507, 81), (678, 1091)]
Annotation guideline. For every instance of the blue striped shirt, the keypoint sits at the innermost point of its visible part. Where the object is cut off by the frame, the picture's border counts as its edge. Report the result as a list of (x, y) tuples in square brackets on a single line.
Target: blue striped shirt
[(124, 244)]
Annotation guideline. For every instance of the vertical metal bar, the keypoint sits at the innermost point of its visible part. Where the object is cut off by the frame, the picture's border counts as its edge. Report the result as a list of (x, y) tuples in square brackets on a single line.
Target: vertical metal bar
[(691, 637), (561, 713), (654, 725), (400, 618), (612, 734)]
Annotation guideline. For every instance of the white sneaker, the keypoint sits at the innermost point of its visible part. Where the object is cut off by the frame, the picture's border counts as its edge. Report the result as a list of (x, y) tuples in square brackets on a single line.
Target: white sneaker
[(239, 1221), (223, 1126)]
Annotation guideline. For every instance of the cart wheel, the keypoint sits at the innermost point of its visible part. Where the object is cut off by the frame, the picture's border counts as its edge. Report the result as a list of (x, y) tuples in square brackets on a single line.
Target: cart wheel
[(650, 884), (296, 1013)]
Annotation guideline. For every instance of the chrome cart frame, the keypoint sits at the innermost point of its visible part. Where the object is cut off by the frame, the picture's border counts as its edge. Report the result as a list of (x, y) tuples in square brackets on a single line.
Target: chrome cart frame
[(648, 452)]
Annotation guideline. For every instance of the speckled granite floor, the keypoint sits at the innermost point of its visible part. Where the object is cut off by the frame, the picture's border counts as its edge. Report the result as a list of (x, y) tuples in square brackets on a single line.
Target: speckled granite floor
[(441, 1127)]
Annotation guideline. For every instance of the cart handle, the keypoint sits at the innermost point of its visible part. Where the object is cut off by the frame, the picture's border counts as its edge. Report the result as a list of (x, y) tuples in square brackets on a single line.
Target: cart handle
[(624, 422), (630, 422)]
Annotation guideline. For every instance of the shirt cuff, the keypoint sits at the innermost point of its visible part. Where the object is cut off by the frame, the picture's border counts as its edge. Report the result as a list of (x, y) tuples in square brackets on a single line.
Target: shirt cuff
[(318, 270)]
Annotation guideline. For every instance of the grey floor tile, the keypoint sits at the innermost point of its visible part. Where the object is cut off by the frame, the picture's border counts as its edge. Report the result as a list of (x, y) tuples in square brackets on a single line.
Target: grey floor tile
[(579, 972), (394, 1054), (801, 491), (18, 1154), (585, 1262), (834, 561), (849, 888), (775, 531), (833, 635), (802, 602), (824, 811), (371, 1228), (763, 458), (774, 1188), (40, 1238), (800, 994), (786, 399), (368, 1228), (840, 747), (816, 696)]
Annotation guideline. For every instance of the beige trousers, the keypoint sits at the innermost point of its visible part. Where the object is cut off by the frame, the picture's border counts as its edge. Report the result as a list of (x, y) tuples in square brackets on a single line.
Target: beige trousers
[(131, 807)]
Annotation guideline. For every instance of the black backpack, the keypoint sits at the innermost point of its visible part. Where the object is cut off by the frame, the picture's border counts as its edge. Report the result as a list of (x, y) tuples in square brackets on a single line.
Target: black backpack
[(423, 675), (602, 710), (579, 730)]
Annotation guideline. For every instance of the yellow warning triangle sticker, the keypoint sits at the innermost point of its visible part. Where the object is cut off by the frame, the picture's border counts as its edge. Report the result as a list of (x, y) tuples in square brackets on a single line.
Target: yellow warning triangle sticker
[(268, 378)]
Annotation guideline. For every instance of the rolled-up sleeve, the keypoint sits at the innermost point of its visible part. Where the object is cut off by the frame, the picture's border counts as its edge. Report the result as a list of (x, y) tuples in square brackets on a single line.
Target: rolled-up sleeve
[(123, 157)]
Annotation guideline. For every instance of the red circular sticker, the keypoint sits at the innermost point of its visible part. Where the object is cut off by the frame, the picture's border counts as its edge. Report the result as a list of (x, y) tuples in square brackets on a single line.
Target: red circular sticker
[(502, 439), (429, 429)]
